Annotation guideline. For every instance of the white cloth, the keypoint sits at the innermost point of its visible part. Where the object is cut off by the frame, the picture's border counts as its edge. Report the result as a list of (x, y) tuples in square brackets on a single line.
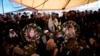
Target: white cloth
[(13, 35), (51, 25), (55, 22), (44, 39), (45, 31)]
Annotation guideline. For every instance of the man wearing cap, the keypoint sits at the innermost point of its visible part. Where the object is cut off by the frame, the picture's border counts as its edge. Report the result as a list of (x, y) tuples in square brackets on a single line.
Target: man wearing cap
[(45, 36), (42, 45), (13, 36)]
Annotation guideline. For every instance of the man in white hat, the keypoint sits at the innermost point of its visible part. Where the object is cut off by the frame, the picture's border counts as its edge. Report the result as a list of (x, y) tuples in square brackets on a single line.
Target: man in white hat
[(13, 36), (42, 45), (12, 33), (45, 36)]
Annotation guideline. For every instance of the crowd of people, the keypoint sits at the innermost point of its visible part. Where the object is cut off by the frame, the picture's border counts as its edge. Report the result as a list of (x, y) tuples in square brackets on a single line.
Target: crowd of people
[(87, 43)]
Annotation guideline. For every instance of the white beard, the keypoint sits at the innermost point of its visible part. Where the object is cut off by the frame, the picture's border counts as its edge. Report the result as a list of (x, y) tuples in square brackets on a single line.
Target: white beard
[(13, 35)]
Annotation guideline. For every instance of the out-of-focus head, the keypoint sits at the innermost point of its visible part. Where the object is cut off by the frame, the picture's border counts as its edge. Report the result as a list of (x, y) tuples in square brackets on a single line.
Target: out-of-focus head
[(11, 31), (50, 44), (46, 32)]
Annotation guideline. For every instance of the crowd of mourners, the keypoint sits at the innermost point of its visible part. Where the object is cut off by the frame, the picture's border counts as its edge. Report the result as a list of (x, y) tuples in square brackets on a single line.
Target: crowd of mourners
[(89, 37)]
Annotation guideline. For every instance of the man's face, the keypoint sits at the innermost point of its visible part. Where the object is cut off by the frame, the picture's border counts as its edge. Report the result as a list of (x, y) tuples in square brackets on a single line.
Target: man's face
[(70, 30), (12, 31), (47, 34), (31, 33)]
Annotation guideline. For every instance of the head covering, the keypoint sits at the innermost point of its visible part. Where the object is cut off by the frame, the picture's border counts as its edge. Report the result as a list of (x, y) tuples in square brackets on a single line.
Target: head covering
[(46, 31), (10, 29)]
